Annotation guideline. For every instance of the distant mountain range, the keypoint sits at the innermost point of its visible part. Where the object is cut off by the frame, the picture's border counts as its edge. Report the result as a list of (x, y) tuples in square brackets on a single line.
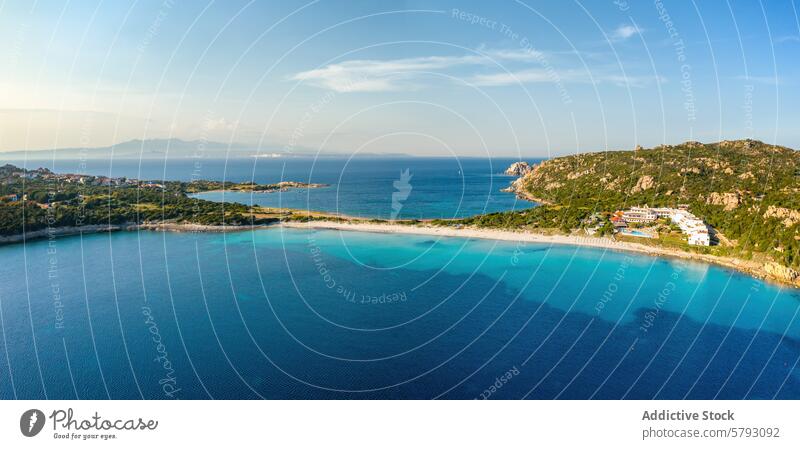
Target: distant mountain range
[(176, 148)]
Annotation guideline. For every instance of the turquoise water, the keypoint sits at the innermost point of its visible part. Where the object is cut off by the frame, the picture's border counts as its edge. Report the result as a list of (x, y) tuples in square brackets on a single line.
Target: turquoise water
[(367, 187), (326, 314)]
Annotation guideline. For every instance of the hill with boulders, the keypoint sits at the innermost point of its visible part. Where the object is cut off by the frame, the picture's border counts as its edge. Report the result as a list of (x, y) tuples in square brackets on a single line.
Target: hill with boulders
[(746, 189)]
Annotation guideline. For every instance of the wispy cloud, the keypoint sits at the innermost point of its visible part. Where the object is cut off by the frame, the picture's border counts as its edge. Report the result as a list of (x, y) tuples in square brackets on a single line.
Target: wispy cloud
[(789, 38), (221, 123), (769, 80), (624, 32), (548, 75), (366, 75), (631, 80), (511, 67), (511, 55), (370, 75), (510, 78)]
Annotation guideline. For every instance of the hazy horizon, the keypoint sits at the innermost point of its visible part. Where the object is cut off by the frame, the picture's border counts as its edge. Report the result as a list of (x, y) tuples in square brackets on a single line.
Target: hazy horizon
[(196, 149)]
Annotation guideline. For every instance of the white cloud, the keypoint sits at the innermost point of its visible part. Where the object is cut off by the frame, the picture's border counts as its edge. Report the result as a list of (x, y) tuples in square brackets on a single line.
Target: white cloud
[(631, 81), (789, 38), (557, 77), (770, 80), (512, 67), (375, 75), (528, 76), (625, 31), (370, 75), (512, 55), (221, 124)]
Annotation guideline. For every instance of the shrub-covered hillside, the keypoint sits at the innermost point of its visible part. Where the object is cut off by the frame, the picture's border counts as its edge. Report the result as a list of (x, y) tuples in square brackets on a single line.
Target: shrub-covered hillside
[(747, 190)]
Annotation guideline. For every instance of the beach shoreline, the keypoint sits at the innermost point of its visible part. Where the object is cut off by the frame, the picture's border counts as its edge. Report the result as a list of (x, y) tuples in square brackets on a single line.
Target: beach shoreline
[(65, 231), (750, 268)]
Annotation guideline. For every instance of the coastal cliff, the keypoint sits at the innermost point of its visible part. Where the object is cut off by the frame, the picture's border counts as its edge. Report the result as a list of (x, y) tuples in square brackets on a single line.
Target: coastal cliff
[(518, 169), (521, 170)]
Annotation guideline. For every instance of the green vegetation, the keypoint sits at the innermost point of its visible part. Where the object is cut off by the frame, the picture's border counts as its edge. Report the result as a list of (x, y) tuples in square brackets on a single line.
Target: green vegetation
[(34, 200), (554, 218), (206, 186), (747, 190)]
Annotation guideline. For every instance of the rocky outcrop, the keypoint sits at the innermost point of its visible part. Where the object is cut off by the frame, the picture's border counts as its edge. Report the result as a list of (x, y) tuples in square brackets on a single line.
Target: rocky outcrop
[(553, 186), (518, 169), (516, 186), (730, 200), (610, 185), (644, 183), (527, 173), (790, 217), (746, 144), (578, 174), (781, 272), (692, 144)]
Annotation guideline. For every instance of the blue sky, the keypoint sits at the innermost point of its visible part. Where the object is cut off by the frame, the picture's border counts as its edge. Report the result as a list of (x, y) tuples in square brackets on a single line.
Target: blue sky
[(529, 78)]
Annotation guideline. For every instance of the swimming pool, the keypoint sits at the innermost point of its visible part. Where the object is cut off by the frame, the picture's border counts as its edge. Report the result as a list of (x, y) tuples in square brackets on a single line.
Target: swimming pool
[(637, 233)]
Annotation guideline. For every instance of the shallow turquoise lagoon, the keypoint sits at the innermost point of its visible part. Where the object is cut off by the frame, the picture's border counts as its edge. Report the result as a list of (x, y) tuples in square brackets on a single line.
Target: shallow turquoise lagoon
[(327, 314)]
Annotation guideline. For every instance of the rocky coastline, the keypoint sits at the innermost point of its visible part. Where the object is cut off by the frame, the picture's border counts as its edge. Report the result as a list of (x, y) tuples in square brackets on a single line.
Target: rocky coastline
[(521, 170)]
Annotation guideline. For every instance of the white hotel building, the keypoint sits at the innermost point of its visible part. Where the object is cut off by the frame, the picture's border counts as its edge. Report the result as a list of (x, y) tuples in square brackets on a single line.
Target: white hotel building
[(692, 226), (697, 231)]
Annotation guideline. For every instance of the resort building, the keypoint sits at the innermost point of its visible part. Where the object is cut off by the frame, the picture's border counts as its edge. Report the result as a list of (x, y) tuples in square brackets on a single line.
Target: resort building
[(663, 212), (692, 226), (639, 215), (697, 231)]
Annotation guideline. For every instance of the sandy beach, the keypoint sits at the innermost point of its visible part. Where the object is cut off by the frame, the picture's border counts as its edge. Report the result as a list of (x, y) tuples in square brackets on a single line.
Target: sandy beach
[(749, 267), (466, 232)]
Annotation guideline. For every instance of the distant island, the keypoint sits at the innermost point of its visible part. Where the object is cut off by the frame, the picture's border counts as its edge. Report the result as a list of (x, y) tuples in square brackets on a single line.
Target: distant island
[(732, 203)]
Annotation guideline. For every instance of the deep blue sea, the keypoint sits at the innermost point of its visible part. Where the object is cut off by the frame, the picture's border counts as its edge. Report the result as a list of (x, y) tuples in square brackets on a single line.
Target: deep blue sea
[(326, 314), (369, 187)]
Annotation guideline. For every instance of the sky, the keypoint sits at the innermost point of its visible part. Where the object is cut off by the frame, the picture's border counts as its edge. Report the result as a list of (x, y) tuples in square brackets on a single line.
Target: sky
[(436, 78)]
